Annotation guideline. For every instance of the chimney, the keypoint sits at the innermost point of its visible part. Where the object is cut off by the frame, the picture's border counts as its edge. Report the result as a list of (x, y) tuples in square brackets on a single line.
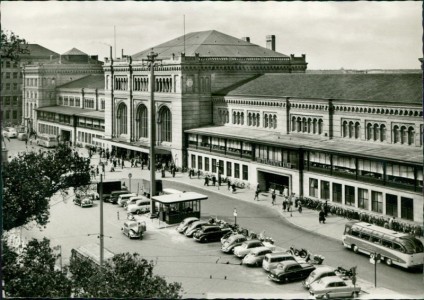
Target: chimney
[(270, 42), (246, 39), (110, 52)]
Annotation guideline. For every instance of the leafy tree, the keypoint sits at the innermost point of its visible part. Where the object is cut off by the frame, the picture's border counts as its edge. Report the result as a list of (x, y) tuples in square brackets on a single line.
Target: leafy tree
[(125, 276), (30, 179), (12, 46), (32, 273)]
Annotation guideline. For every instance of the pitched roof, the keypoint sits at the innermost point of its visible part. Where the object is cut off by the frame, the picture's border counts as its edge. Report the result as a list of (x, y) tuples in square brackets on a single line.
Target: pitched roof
[(37, 50), (209, 43), (94, 81), (69, 111), (401, 88), (74, 51)]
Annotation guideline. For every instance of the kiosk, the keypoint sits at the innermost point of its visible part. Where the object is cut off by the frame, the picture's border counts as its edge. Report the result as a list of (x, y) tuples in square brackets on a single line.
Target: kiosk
[(174, 208)]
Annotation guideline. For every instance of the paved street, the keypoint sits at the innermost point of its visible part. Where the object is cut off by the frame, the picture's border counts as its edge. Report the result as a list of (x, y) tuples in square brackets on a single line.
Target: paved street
[(203, 270)]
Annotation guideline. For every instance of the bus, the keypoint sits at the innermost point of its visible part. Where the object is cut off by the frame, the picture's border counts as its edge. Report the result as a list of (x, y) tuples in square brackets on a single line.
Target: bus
[(47, 140), (92, 252), (395, 248)]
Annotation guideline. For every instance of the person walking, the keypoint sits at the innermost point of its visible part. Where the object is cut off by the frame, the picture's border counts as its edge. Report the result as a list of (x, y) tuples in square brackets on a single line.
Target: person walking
[(234, 187), (322, 216), (189, 173), (206, 181), (273, 197), (229, 183), (198, 174), (299, 206), (213, 180), (256, 195)]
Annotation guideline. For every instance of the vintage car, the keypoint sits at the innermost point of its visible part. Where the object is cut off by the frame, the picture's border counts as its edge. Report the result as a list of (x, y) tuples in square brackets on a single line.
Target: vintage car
[(194, 227), (10, 132), (290, 271), (123, 198), (182, 227), (256, 256), (210, 233), (233, 241), (132, 200), (85, 201), (271, 260), (319, 273), (333, 287), (247, 246), (134, 229), (139, 207)]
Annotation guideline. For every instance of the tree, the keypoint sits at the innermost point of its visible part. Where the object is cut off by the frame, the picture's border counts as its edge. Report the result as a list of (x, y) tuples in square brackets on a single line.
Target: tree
[(30, 179), (125, 276), (12, 46), (32, 273)]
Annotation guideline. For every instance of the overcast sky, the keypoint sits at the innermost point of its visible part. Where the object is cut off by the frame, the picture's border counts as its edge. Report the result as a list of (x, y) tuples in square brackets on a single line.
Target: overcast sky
[(358, 35)]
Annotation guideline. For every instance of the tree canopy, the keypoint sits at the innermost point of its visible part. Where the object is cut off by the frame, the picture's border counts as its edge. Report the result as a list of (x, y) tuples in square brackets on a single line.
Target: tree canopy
[(12, 46), (30, 179)]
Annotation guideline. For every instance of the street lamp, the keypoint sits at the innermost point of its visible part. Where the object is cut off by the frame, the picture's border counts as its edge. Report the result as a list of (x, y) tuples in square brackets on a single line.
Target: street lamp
[(235, 216), (129, 181)]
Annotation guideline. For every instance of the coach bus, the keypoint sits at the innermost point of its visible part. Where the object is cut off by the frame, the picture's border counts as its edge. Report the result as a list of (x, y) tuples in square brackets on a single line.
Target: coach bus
[(46, 140), (394, 247)]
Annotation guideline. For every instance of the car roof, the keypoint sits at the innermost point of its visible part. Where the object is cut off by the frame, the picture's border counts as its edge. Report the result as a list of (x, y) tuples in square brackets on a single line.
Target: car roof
[(129, 194), (325, 268), (199, 222), (278, 254), (251, 242), (289, 262), (258, 249), (329, 279), (190, 218)]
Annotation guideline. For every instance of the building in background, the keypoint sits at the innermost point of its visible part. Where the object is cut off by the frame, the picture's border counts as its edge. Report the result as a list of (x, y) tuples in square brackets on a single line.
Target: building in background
[(11, 82)]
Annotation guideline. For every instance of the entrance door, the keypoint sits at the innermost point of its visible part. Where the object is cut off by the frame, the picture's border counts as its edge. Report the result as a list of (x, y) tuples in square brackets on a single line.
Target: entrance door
[(272, 181), (65, 135)]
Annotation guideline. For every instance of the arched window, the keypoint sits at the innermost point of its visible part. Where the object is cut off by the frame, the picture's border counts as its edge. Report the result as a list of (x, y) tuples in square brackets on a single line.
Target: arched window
[(293, 124), (270, 122), (320, 126), (238, 118), (299, 124), (242, 118), (258, 120), (351, 131), (165, 125), (382, 132), (369, 131), (403, 135), (234, 117), (265, 120), (309, 125), (304, 125), (254, 120), (357, 130), (376, 132), (249, 119), (396, 136), (315, 125), (344, 129), (121, 119), (227, 115), (141, 122), (275, 122), (411, 133)]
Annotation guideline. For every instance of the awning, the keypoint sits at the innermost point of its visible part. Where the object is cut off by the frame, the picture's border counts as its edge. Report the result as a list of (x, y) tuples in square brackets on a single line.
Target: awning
[(136, 147)]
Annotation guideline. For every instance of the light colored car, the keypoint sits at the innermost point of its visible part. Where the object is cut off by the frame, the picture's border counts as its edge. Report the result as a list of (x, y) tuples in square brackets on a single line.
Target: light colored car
[(333, 287), (247, 246), (182, 227), (319, 273), (256, 256), (273, 259), (133, 200), (10, 132), (83, 201), (134, 229), (140, 207), (233, 241), (196, 225), (124, 198)]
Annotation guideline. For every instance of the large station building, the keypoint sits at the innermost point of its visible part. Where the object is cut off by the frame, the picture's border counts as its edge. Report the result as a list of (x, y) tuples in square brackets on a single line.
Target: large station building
[(255, 115)]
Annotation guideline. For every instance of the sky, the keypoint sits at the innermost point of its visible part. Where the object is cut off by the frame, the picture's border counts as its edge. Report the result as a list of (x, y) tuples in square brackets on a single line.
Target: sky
[(333, 35)]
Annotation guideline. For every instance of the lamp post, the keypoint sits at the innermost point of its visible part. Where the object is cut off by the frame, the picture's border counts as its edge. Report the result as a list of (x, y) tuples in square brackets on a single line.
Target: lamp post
[(235, 216), (129, 181), (151, 59)]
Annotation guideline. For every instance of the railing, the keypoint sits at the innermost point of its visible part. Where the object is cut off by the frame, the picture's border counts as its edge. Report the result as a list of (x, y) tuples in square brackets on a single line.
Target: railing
[(275, 163)]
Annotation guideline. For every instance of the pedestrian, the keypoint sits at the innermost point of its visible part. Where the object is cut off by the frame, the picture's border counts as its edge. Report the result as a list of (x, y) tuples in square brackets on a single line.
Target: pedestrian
[(229, 183), (285, 193), (290, 202), (132, 162), (103, 168), (189, 173), (219, 180), (234, 187), (322, 216), (299, 206), (391, 220), (206, 181), (213, 180), (122, 163), (26, 143), (173, 171), (198, 174), (256, 195), (273, 197), (97, 170), (284, 204)]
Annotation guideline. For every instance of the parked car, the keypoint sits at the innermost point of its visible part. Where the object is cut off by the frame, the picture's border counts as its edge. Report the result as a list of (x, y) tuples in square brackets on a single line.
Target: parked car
[(113, 198), (83, 201), (290, 271), (247, 246), (233, 241), (210, 233), (10, 132), (194, 227), (22, 136), (124, 198), (133, 200), (256, 256), (134, 229), (319, 273), (272, 260), (140, 207), (182, 227), (333, 287)]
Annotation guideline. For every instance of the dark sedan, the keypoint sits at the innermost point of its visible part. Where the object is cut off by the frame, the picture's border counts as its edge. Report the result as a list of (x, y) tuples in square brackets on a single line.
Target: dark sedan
[(210, 233), (290, 270)]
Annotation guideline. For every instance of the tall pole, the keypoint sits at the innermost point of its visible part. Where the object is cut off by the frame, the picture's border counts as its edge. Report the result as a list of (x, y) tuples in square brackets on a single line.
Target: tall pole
[(101, 220), (375, 269)]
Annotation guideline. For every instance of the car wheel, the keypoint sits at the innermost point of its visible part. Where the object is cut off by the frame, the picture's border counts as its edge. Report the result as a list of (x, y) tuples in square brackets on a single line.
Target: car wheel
[(286, 279), (326, 296), (389, 261), (138, 211), (355, 294), (355, 248)]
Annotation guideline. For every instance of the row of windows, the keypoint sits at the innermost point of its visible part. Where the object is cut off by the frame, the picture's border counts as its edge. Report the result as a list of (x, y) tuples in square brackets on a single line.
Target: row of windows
[(35, 82), (253, 119), (69, 101), (48, 129), (91, 123), (9, 64), (11, 100), (10, 114), (31, 81), (88, 103), (121, 83), (31, 95), (9, 87), (14, 75), (307, 125), (362, 198), (231, 169), (403, 135), (162, 85), (85, 137)]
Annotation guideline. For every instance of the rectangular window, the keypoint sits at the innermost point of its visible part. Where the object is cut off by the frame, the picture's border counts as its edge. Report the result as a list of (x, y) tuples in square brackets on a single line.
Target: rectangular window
[(15, 100), (377, 201), (337, 192), (6, 100), (15, 86), (221, 167), (15, 75), (7, 86), (15, 114), (213, 165), (349, 195), (391, 205), (313, 187), (325, 190), (7, 75), (199, 162), (71, 101), (193, 161), (237, 170), (77, 101), (245, 172), (407, 208), (207, 164), (229, 173), (362, 198)]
